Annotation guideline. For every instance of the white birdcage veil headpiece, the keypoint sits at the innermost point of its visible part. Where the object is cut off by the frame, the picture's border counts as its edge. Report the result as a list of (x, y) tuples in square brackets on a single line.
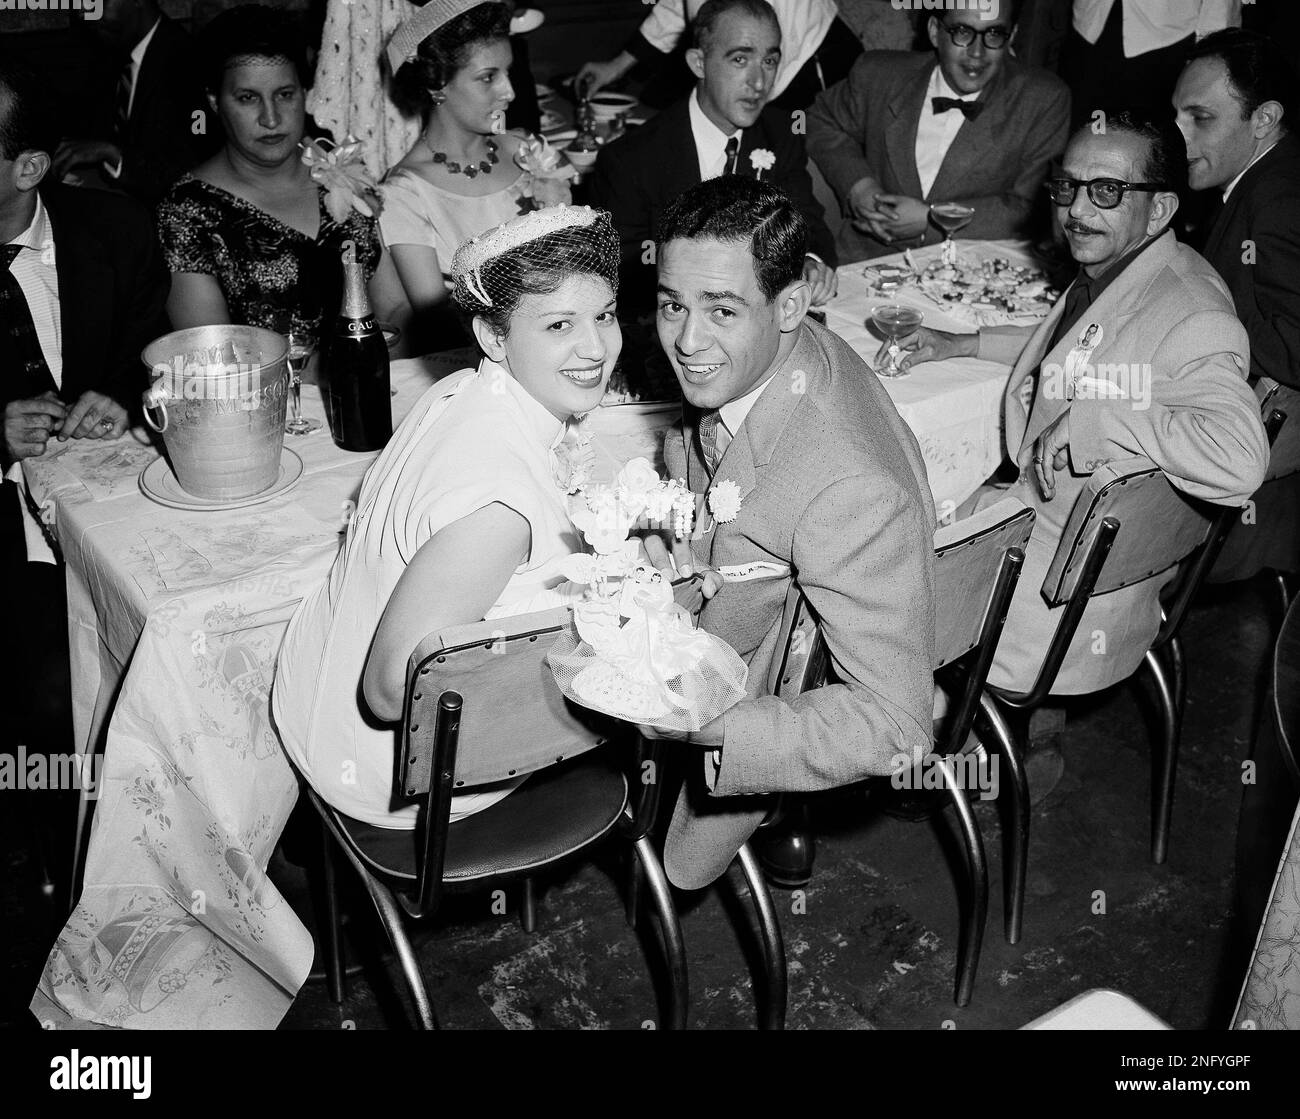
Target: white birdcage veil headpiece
[(406, 40), (523, 241)]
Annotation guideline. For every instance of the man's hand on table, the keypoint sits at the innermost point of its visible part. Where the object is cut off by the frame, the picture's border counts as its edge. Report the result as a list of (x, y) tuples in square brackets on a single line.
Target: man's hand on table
[(931, 345), (29, 424), (94, 416), (902, 218), (824, 280), (1050, 453)]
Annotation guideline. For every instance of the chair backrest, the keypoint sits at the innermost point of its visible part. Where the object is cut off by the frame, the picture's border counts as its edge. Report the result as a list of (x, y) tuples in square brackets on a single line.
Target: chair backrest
[(513, 718), (1164, 527), (968, 557)]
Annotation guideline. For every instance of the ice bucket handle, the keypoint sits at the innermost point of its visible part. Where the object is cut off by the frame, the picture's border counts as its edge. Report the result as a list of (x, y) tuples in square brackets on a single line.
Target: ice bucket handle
[(156, 398)]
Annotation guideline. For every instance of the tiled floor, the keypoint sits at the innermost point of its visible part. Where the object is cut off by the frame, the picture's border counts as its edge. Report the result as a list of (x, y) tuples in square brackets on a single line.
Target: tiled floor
[(871, 944)]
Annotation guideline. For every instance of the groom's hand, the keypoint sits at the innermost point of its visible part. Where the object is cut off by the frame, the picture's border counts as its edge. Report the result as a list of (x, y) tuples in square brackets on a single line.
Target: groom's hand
[(709, 736), (677, 563)]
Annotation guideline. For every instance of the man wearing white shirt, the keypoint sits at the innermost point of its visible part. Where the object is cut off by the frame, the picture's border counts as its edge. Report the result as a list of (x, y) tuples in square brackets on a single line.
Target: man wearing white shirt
[(724, 127), (818, 47), (159, 123), (1127, 53), (82, 290)]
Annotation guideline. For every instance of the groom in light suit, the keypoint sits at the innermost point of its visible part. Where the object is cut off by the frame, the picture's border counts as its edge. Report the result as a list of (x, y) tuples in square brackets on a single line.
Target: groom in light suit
[(1142, 357), (833, 500)]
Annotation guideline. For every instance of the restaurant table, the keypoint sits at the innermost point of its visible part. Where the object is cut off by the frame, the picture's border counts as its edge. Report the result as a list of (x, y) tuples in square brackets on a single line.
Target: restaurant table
[(954, 407), (175, 620)]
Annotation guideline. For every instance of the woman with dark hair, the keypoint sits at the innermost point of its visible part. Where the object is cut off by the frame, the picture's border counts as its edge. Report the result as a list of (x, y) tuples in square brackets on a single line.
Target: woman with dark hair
[(466, 173), (249, 236), (463, 516)]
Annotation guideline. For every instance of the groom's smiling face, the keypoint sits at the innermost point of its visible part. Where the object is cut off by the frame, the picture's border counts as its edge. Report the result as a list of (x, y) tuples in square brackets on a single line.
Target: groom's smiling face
[(720, 331)]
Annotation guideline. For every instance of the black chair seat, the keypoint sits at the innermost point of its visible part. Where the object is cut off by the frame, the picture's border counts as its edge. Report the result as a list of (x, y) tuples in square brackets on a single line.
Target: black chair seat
[(553, 814)]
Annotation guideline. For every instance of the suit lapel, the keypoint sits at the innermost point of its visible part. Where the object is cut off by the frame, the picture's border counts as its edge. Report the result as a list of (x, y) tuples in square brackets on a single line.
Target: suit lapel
[(1121, 300), (85, 301), (900, 133), (973, 142), (676, 174)]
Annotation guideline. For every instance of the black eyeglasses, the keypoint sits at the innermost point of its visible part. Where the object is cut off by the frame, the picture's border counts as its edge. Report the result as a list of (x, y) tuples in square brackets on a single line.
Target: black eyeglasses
[(1105, 194), (962, 35)]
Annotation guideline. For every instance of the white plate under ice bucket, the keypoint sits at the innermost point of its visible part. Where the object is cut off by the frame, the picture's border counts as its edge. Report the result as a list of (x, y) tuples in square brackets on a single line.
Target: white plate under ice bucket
[(158, 483)]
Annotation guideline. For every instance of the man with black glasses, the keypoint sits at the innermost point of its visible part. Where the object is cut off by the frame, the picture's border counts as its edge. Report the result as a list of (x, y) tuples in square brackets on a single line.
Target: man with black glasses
[(1143, 357), (968, 124)]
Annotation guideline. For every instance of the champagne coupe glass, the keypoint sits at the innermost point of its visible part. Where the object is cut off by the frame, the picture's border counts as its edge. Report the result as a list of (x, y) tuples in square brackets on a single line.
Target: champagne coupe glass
[(895, 322), (951, 217), (302, 342)]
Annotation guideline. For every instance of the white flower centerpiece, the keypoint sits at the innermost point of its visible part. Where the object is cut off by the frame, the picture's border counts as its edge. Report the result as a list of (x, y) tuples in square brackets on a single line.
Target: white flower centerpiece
[(633, 652)]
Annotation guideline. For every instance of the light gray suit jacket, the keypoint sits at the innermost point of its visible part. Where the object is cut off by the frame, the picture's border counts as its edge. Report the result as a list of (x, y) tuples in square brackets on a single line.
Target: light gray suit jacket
[(832, 484), (1167, 332), (866, 125)]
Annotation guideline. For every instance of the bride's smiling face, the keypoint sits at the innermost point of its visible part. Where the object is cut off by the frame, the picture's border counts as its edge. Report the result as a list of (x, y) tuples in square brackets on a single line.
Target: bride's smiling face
[(560, 347)]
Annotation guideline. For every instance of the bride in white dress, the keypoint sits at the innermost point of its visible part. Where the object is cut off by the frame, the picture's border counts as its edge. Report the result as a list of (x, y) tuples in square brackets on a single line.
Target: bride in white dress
[(464, 515)]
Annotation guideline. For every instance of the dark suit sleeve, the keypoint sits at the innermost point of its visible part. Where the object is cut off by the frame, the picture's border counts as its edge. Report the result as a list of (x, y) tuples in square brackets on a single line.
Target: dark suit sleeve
[(791, 175), (837, 129), (140, 309), (618, 185), (873, 593), (1046, 132), (1270, 311)]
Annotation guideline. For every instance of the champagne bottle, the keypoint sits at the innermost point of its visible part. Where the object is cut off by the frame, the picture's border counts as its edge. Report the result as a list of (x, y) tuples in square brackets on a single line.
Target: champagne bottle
[(355, 385)]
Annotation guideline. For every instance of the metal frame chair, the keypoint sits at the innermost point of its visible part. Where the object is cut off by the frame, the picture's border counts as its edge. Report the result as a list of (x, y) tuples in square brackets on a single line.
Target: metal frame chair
[(1093, 557), (459, 730), (985, 551)]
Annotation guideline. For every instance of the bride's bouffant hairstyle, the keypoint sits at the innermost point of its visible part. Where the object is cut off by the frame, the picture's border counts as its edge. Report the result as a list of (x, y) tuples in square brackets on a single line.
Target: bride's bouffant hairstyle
[(444, 52)]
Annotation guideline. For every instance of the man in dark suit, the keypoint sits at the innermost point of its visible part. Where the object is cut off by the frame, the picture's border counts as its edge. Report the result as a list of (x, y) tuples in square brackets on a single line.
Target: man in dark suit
[(723, 127), (157, 107), (1235, 105), (82, 290), (969, 124)]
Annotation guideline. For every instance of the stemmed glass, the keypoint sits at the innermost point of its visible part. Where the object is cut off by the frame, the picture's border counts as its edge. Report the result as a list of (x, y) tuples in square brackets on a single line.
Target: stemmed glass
[(951, 217), (895, 322), (302, 343)]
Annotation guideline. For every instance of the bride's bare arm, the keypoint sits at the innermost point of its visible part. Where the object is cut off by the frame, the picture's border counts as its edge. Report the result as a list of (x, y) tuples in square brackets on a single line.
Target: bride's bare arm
[(455, 578)]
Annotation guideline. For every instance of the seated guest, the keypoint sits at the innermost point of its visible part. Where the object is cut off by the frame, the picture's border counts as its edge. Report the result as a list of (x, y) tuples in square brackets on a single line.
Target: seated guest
[(157, 105), (820, 48), (248, 235), (1142, 356), (723, 127), (832, 496), (463, 516), (1235, 102), (968, 124), (82, 289), (451, 62)]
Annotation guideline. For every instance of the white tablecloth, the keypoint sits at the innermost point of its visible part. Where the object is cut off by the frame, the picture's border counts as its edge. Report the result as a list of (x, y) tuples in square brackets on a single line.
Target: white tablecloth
[(175, 619)]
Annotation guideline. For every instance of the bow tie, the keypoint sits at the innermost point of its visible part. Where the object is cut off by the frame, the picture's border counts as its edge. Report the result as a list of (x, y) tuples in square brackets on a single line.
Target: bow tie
[(969, 109)]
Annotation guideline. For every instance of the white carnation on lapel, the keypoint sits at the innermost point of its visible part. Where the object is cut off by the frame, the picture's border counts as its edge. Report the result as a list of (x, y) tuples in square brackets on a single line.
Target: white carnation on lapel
[(760, 159), (724, 501)]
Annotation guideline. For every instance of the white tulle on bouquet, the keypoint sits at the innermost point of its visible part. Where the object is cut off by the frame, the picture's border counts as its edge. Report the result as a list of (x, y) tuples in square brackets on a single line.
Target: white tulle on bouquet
[(632, 651)]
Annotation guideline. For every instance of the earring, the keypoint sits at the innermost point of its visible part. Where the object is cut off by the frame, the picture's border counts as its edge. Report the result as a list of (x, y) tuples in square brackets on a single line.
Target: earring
[(437, 97)]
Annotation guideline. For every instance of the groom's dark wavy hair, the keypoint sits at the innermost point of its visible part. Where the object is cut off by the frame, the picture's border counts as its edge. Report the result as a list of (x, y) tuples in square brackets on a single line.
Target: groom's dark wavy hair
[(738, 208)]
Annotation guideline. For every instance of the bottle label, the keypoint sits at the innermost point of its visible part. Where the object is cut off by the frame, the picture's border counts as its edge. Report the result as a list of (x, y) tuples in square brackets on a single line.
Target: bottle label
[(361, 326)]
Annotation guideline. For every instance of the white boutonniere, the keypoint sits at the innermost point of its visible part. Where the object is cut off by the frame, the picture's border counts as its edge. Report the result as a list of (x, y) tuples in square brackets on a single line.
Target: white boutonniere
[(760, 159), (724, 501)]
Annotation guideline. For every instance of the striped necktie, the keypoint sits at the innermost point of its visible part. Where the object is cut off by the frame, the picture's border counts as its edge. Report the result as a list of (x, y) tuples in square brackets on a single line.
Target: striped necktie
[(709, 439), (25, 373), (733, 152)]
